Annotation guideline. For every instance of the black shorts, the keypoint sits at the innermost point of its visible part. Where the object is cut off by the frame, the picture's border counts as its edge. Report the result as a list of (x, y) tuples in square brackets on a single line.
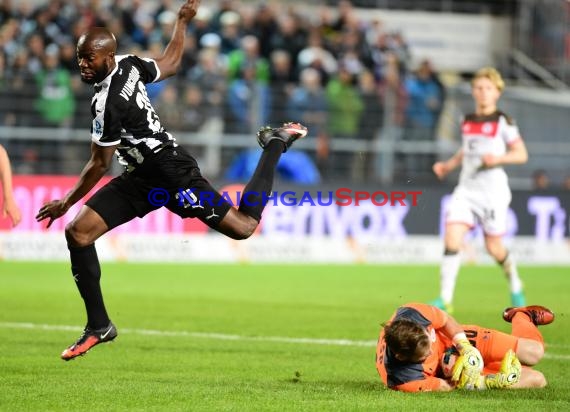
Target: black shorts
[(171, 178)]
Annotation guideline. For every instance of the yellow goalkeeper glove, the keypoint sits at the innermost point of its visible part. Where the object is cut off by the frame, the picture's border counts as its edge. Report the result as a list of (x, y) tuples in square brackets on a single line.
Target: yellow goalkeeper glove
[(508, 375), (468, 366)]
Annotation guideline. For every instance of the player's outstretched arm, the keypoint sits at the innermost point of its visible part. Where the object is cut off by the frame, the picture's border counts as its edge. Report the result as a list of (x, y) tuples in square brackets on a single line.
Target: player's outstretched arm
[(170, 60), (9, 206), (94, 170), (442, 169)]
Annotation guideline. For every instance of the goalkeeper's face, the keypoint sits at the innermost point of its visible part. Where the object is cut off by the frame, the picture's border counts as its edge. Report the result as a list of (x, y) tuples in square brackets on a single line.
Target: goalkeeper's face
[(408, 340), (422, 352)]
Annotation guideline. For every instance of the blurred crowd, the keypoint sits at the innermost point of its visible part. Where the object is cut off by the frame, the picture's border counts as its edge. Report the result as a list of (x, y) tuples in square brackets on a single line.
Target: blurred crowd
[(245, 65)]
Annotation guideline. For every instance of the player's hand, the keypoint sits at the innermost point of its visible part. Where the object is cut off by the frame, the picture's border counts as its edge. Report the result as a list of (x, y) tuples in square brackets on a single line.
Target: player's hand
[(468, 366), (11, 209), (508, 375), (489, 160), (440, 169), (52, 210), (188, 10)]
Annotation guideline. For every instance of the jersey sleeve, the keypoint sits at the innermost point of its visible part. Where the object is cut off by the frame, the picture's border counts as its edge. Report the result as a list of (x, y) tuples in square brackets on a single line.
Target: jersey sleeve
[(436, 316), (425, 385), (148, 68), (511, 132)]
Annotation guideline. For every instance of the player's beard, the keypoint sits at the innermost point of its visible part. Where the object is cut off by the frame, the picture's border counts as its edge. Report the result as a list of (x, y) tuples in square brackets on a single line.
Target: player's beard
[(98, 75)]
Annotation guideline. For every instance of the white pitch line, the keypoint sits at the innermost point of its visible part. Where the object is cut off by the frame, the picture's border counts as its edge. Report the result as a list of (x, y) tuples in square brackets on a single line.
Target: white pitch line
[(223, 336), (203, 335)]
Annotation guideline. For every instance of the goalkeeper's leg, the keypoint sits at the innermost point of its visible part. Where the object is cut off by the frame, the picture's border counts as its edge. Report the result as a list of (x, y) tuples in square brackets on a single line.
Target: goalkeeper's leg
[(530, 378), (530, 347), (525, 340)]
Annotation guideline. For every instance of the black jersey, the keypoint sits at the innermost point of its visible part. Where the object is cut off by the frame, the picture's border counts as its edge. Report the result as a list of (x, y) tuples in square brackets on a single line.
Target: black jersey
[(123, 115)]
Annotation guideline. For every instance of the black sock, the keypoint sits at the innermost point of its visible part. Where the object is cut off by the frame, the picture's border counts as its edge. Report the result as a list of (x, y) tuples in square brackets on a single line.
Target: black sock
[(259, 187), (87, 274)]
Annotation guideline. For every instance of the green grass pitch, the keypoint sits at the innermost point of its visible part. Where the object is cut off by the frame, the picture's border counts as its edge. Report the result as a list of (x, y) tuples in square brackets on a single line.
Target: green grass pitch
[(249, 337)]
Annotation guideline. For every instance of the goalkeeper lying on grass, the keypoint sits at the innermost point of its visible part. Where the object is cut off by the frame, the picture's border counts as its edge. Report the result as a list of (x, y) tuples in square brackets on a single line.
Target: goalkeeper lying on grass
[(423, 348)]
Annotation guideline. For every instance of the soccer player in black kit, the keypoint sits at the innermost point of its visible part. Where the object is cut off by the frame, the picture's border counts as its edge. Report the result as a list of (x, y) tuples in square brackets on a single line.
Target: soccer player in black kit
[(125, 123)]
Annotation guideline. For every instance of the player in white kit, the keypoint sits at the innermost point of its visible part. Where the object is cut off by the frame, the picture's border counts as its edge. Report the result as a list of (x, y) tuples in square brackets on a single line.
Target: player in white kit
[(490, 140)]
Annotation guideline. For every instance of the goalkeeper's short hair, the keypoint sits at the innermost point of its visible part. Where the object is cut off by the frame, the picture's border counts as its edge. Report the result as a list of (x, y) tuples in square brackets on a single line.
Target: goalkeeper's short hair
[(407, 339)]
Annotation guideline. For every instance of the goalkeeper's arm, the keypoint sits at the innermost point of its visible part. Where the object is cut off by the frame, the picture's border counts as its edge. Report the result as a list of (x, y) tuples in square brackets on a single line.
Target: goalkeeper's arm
[(467, 370)]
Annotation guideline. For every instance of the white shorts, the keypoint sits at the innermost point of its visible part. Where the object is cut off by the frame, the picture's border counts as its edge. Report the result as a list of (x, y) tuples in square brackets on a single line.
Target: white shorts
[(488, 208)]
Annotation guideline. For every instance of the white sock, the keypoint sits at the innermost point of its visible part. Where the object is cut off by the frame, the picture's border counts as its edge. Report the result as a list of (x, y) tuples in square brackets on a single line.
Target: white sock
[(449, 270), (510, 268)]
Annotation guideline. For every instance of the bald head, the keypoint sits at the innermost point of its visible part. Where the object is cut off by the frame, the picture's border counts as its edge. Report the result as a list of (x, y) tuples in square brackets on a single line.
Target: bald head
[(96, 54), (99, 38)]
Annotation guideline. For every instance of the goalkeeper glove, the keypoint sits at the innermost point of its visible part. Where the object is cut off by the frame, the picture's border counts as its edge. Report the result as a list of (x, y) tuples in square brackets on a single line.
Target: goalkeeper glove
[(468, 366), (508, 375)]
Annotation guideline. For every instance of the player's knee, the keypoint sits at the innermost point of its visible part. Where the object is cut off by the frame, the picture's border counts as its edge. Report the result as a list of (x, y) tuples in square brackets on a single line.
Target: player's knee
[(75, 236), (495, 249), (533, 354), (537, 354), (244, 230)]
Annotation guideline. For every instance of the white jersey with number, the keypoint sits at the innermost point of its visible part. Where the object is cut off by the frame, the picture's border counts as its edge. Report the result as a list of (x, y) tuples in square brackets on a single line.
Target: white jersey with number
[(491, 134), (483, 194)]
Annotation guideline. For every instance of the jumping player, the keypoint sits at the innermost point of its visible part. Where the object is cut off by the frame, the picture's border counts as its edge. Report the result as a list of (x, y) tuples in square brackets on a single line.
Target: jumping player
[(413, 342), (490, 140), (125, 122)]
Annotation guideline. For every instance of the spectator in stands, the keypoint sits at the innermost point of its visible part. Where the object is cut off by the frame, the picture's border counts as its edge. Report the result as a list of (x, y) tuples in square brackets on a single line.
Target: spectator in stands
[(424, 105), (566, 183), (201, 24), (169, 108), (393, 97), (56, 102), (194, 111), (248, 55), (346, 16), (345, 108), (209, 75), (224, 6), (379, 55), (36, 46), (315, 55), (350, 53), (67, 58), (400, 48), (282, 80), (265, 27), (540, 180), (9, 206), (7, 116), (290, 36), (248, 100), (230, 32), (369, 126), (308, 104)]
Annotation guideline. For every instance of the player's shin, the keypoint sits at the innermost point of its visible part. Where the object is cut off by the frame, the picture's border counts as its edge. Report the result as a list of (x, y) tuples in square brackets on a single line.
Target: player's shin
[(509, 267), (259, 187), (448, 272), (86, 272)]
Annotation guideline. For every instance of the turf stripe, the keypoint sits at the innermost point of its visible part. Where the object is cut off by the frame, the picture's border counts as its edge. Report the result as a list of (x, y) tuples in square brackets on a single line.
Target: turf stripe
[(223, 336), (204, 335)]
